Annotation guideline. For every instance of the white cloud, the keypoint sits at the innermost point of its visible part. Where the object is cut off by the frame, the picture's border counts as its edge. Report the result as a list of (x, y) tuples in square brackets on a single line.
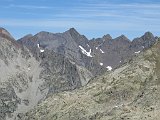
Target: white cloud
[(127, 5), (87, 17), (82, 24), (28, 6)]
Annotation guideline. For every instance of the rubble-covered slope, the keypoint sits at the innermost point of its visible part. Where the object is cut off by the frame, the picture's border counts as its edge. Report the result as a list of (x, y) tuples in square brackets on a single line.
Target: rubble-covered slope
[(26, 79), (19, 79), (131, 92)]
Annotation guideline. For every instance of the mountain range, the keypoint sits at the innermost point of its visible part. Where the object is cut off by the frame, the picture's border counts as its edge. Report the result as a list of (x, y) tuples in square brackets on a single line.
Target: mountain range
[(38, 70)]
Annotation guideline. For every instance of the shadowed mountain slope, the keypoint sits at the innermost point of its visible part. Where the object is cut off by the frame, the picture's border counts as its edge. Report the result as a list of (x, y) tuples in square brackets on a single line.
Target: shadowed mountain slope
[(98, 53)]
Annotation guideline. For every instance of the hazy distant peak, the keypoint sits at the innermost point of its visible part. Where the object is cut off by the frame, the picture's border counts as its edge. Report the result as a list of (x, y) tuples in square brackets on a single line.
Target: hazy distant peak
[(1, 28), (4, 31), (43, 33), (28, 36), (122, 38), (107, 37), (73, 32), (148, 35)]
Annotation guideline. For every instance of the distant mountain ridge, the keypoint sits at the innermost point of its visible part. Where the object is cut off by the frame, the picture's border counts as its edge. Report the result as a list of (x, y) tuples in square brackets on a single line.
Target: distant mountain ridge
[(105, 50)]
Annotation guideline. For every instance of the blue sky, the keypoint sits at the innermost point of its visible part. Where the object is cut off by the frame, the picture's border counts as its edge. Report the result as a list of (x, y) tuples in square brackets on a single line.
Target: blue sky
[(93, 18)]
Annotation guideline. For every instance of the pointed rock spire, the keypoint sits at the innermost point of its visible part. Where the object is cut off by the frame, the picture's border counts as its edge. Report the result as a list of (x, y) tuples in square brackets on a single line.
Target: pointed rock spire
[(107, 37), (73, 32), (122, 38)]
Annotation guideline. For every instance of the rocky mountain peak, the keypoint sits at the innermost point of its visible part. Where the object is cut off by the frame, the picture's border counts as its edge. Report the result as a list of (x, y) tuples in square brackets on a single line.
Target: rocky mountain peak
[(73, 30), (122, 38), (74, 33), (26, 39), (107, 37), (148, 33), (148, 36), (77, 37), (8, 37), (42, 33), (28, 36), (4, 33)]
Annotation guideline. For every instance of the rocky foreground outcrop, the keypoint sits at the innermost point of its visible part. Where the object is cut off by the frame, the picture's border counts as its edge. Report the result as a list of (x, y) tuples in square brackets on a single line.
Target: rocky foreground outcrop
[(131, 92)]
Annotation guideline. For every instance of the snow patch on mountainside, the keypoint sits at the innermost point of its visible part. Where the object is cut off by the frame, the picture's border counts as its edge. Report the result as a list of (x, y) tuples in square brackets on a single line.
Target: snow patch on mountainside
[(41, 50), (137, 52), (38, 45), (101, 51), (109, 68), (101, 64), (85, 52)]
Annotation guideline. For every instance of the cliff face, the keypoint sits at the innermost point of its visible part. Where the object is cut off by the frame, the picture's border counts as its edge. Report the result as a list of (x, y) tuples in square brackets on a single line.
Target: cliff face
[(115, 52), (96, 55), (70, 44), (130, 92), (19, 69)]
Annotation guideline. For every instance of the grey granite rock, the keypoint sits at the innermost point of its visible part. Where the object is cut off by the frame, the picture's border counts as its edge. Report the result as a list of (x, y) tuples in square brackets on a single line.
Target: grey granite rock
[(29, 75)]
